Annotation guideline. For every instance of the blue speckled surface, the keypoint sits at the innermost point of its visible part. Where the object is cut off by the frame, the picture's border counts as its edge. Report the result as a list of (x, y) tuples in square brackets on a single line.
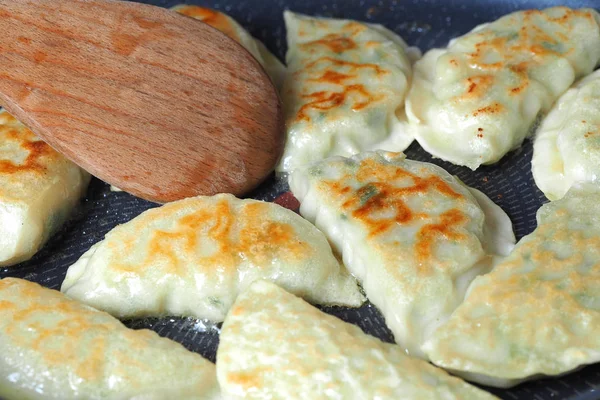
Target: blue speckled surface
[(422, 23)]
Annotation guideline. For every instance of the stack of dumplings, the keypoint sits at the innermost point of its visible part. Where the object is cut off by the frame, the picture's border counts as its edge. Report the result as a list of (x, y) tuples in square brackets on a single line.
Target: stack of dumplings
[(438, 258)]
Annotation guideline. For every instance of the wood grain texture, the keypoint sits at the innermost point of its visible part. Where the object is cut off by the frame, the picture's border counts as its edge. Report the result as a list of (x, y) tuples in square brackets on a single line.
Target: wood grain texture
[(155, 103)]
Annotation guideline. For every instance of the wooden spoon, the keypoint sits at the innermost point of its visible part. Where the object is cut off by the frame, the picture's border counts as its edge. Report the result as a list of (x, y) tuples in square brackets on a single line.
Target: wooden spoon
[(153, 102)]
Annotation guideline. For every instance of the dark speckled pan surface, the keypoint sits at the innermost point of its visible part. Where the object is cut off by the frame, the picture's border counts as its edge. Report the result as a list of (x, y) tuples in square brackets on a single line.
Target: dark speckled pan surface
[(422, 23)]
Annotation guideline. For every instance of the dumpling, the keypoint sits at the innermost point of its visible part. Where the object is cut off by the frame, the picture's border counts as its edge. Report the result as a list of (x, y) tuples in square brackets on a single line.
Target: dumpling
[(482, 96), (413, 235), (344, 90), (52, 347), (538, 311), (567, 145), (39, 189), (192, 257), (274, 345), (231, 28)]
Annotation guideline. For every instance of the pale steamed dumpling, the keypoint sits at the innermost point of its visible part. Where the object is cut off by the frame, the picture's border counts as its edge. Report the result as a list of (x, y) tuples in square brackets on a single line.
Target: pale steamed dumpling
[(538, 312), (344, 90), (39, 189), (413, 235), (52, 347), (480, 97), (566, 149), (274, 345), (231, 28), (192, 257)]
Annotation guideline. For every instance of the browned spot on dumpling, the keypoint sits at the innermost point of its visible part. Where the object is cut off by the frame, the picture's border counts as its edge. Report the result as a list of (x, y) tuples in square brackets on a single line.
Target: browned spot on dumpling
[(213, 18), (341, 73), (6, 304), (445, 229), (38, 152), (372, 44), (386, 199), (321, 101), (379, 204), (77, 319), (37, 149), (246, 380), (541, 36), (521, 71), (477, 86), (334, 42), (333, 77), (246, 234), (324, 100), (353, 28), (494, 108), (352, 66), (237, 310)]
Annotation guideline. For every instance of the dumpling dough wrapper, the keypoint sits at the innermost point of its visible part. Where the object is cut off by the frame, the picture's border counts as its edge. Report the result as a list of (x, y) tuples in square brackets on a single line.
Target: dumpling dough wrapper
[(479, 98), (52, 347), (412, 234), (192, 257), (538, 312), (344, 90), (566, 149), (274, 345), (39, 190)]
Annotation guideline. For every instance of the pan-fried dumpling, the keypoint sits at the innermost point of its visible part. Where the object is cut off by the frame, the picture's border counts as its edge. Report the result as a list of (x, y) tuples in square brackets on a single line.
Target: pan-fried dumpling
[(231, 28), (52, 347), (274, 345), (39, 189), (538, 311), (480, 97), (567, 145), (192, 257), (344, 90), (413, 235)]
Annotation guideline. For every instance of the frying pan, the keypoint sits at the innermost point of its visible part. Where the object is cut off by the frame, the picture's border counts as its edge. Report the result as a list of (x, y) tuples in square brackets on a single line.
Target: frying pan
[(422, 23)]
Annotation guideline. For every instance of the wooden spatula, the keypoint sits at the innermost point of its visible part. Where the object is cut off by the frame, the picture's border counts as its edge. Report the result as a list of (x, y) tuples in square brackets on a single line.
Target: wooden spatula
[(155, 103)]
